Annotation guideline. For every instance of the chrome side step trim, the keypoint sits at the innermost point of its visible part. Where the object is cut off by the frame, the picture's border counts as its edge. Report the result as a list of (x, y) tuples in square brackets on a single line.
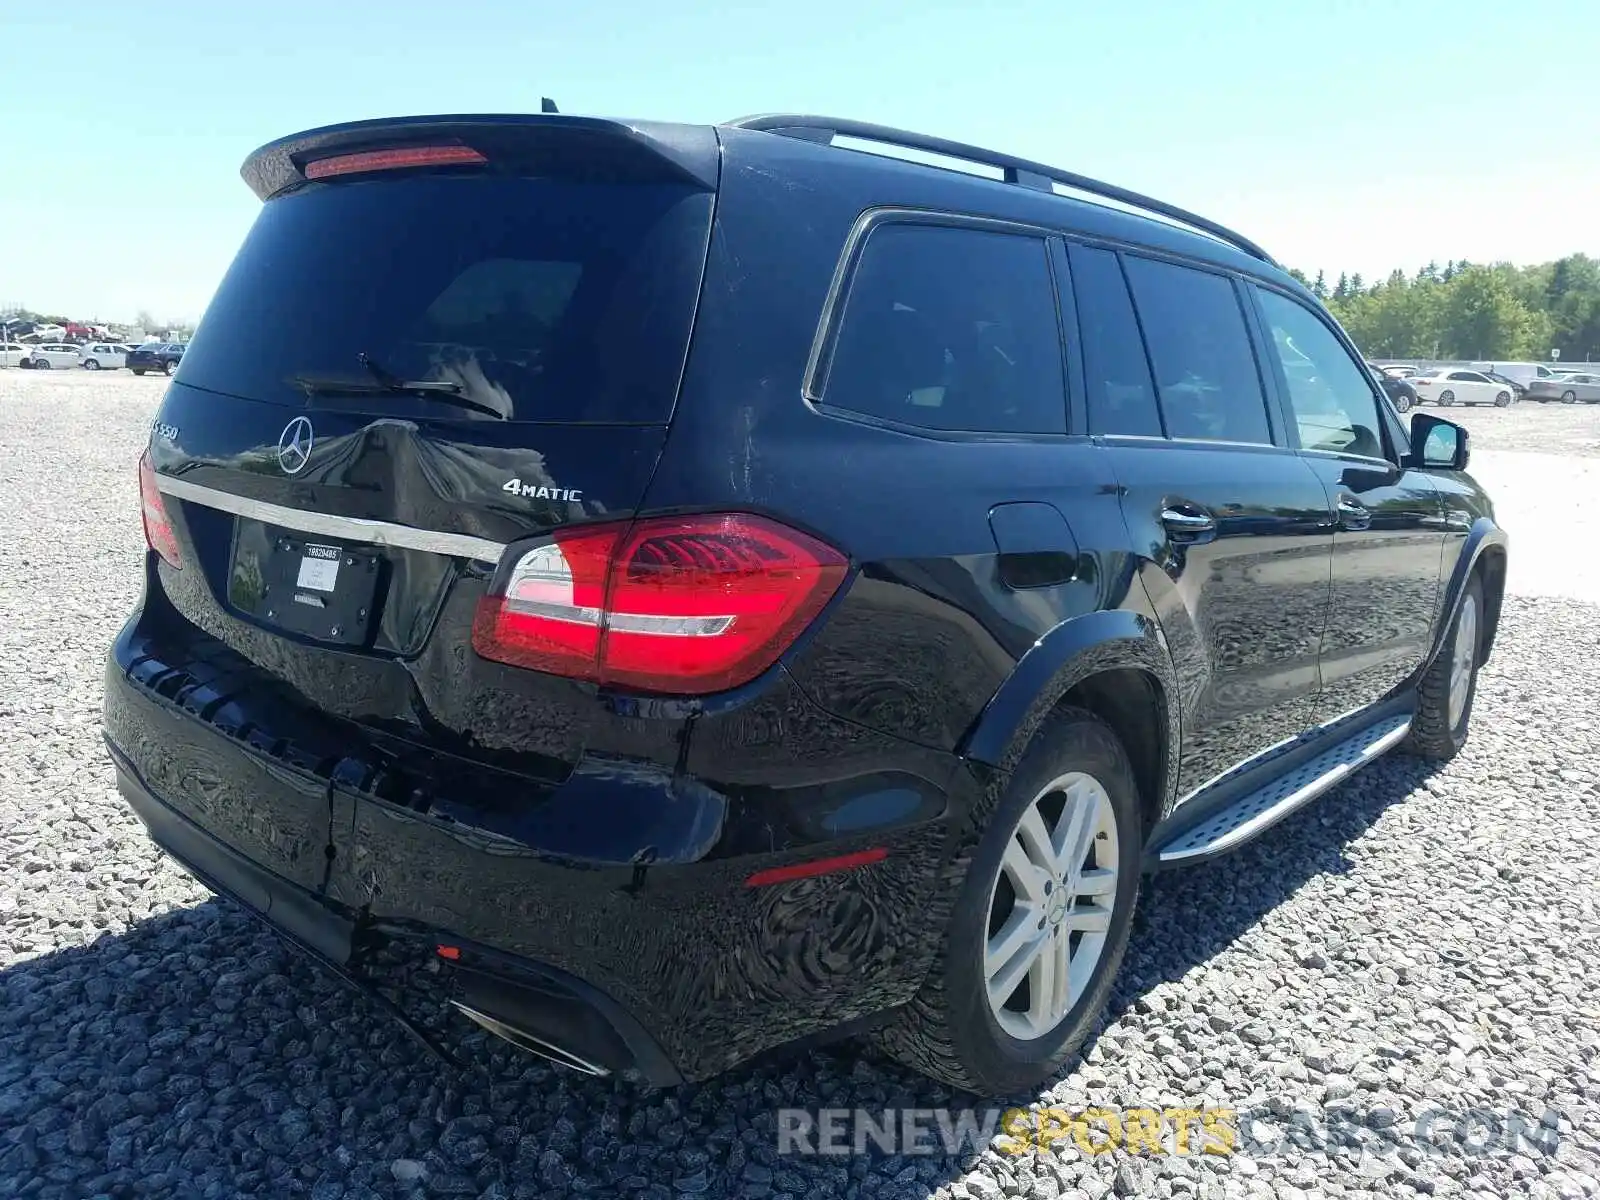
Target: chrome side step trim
[(1260, 809), (1239, 768), (526, 1041), (354, 529)]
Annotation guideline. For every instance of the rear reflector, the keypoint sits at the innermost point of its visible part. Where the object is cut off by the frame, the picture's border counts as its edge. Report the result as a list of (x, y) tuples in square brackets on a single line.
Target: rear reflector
[(158, 532), (389, 160), (821, 866), (679, 605)]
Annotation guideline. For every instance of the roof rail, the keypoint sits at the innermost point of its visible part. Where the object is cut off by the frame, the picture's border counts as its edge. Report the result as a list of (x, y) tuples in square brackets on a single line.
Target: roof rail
[(823, 130)]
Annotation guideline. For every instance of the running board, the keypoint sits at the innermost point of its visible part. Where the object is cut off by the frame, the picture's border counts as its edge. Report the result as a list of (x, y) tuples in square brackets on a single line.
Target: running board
[(1266, 806)]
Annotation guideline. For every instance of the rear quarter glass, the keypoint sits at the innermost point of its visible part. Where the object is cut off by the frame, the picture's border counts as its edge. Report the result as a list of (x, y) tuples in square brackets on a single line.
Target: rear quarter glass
[(543, 299)]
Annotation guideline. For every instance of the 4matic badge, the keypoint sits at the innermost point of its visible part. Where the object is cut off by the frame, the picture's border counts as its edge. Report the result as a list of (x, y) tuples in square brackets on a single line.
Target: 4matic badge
[(538, 491)]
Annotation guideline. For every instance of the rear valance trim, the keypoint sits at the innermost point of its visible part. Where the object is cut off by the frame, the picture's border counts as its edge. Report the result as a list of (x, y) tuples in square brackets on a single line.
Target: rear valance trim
[(354, 529)]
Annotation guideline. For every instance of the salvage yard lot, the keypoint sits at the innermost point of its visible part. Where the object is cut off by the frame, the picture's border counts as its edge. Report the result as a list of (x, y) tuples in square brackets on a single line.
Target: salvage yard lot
[(1418, 941)]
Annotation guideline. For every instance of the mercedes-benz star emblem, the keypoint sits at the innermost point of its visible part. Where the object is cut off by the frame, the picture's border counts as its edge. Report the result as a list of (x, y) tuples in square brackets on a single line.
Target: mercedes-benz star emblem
[(294, 445)]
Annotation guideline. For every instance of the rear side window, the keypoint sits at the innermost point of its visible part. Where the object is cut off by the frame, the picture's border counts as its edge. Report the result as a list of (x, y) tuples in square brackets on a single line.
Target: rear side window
[(1205, 370), (544, 299), (952, 329), (1121, 397)]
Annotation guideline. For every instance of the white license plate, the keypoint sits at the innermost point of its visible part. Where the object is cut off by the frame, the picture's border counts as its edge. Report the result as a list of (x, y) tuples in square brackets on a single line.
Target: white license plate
[(319, 568)]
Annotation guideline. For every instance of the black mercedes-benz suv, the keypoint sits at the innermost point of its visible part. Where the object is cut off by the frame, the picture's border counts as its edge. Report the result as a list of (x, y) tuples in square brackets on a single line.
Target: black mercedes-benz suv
[(715, 588)]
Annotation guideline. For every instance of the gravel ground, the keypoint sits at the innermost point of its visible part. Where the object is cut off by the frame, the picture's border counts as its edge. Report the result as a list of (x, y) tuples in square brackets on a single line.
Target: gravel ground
[(1417, 942)]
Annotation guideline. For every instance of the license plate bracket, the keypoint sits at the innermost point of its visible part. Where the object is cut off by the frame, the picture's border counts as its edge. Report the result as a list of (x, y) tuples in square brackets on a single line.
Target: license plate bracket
[(313, 587)]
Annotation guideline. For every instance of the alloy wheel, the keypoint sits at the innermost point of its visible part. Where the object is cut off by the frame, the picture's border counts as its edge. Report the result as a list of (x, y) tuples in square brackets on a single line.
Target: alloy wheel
[(1050, 906)]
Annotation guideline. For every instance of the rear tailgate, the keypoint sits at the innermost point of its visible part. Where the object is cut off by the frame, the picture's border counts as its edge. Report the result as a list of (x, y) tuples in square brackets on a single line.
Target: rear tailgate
[(338, 525)]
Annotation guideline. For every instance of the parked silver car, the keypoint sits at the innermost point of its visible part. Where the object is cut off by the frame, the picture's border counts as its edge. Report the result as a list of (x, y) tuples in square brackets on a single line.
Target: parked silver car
[(1569, 389)]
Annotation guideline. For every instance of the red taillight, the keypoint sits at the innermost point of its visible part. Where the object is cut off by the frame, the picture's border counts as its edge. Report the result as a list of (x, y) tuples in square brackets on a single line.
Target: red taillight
[(389, 160), (683, 605), (158, 531)]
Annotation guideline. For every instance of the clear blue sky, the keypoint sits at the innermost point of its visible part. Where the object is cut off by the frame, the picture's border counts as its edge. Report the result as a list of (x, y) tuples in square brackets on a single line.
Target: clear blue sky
[(1349, 136)]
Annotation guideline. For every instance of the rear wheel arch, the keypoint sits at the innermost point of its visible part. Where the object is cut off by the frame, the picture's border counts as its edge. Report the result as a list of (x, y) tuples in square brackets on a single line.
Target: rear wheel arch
[(1113, 665), (1133, 703)]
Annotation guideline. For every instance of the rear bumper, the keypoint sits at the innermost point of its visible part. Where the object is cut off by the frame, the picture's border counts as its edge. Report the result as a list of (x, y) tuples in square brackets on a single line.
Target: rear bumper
[(675, 970), (546, 1004)]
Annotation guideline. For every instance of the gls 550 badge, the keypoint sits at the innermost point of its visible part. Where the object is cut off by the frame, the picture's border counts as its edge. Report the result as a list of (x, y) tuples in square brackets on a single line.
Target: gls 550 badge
[(538, 491)]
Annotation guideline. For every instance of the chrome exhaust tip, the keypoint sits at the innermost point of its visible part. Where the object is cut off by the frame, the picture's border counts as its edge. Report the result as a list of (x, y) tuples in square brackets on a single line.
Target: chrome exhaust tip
[(529, 1043)]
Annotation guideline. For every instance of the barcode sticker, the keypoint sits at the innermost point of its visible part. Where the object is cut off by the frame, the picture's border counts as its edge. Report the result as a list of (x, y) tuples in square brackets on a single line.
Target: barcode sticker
[(319, 569)]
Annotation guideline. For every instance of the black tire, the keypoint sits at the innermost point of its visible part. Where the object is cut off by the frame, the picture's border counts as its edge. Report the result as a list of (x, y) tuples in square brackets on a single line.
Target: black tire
[(1433, 735), (1569, 397), (1502, 399), (41, 364), (91, 364), (948, 1031), (137, 370), (1447, 398), (168, 367)]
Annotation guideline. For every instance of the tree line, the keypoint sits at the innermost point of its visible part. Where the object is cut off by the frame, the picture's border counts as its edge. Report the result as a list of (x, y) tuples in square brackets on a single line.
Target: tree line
[(1467, 310), (1462, 310)]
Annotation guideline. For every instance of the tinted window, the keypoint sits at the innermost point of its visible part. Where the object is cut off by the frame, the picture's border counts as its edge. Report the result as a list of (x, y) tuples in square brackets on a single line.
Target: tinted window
[(1331, 396), (1122, 398), (951, 328), (544, 299), (1205, 371)]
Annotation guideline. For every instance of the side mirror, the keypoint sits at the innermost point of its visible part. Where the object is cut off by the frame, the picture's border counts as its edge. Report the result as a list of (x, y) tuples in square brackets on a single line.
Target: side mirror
[(1436, 442)]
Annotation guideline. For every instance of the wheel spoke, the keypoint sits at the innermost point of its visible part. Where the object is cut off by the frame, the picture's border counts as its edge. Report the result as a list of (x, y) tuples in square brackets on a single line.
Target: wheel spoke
[(1013, 938), (1092, 919), (1047, 982), (1023, 874), (1083, 962), (1006, 980), (1097, 881), (1073, 830), (1035, 838)]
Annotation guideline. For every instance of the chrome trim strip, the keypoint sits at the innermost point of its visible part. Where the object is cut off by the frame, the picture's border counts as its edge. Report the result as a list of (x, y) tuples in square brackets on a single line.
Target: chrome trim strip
[(1263, 820), (355, 529), (1243, 765), (526, 1041)]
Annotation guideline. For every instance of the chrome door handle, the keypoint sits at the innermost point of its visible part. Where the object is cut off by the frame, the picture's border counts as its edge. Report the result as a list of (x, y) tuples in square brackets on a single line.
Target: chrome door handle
[(1188, 524), (1353, 514)]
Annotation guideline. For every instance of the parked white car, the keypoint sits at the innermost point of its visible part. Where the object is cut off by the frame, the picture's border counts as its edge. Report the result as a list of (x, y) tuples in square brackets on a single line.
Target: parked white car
[(102, 355), (52, 354), (1461, 387), (12, 353)]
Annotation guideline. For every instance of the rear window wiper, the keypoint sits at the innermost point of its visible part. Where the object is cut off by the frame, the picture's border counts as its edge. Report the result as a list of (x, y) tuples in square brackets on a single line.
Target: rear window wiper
[(445, 390)]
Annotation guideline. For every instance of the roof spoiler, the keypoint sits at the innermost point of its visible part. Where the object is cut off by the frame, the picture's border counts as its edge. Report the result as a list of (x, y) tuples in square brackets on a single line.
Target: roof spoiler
[(585, 148)]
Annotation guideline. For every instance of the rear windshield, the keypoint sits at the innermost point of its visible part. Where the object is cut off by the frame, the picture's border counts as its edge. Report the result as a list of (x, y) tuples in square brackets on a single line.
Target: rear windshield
[(544, 300)]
